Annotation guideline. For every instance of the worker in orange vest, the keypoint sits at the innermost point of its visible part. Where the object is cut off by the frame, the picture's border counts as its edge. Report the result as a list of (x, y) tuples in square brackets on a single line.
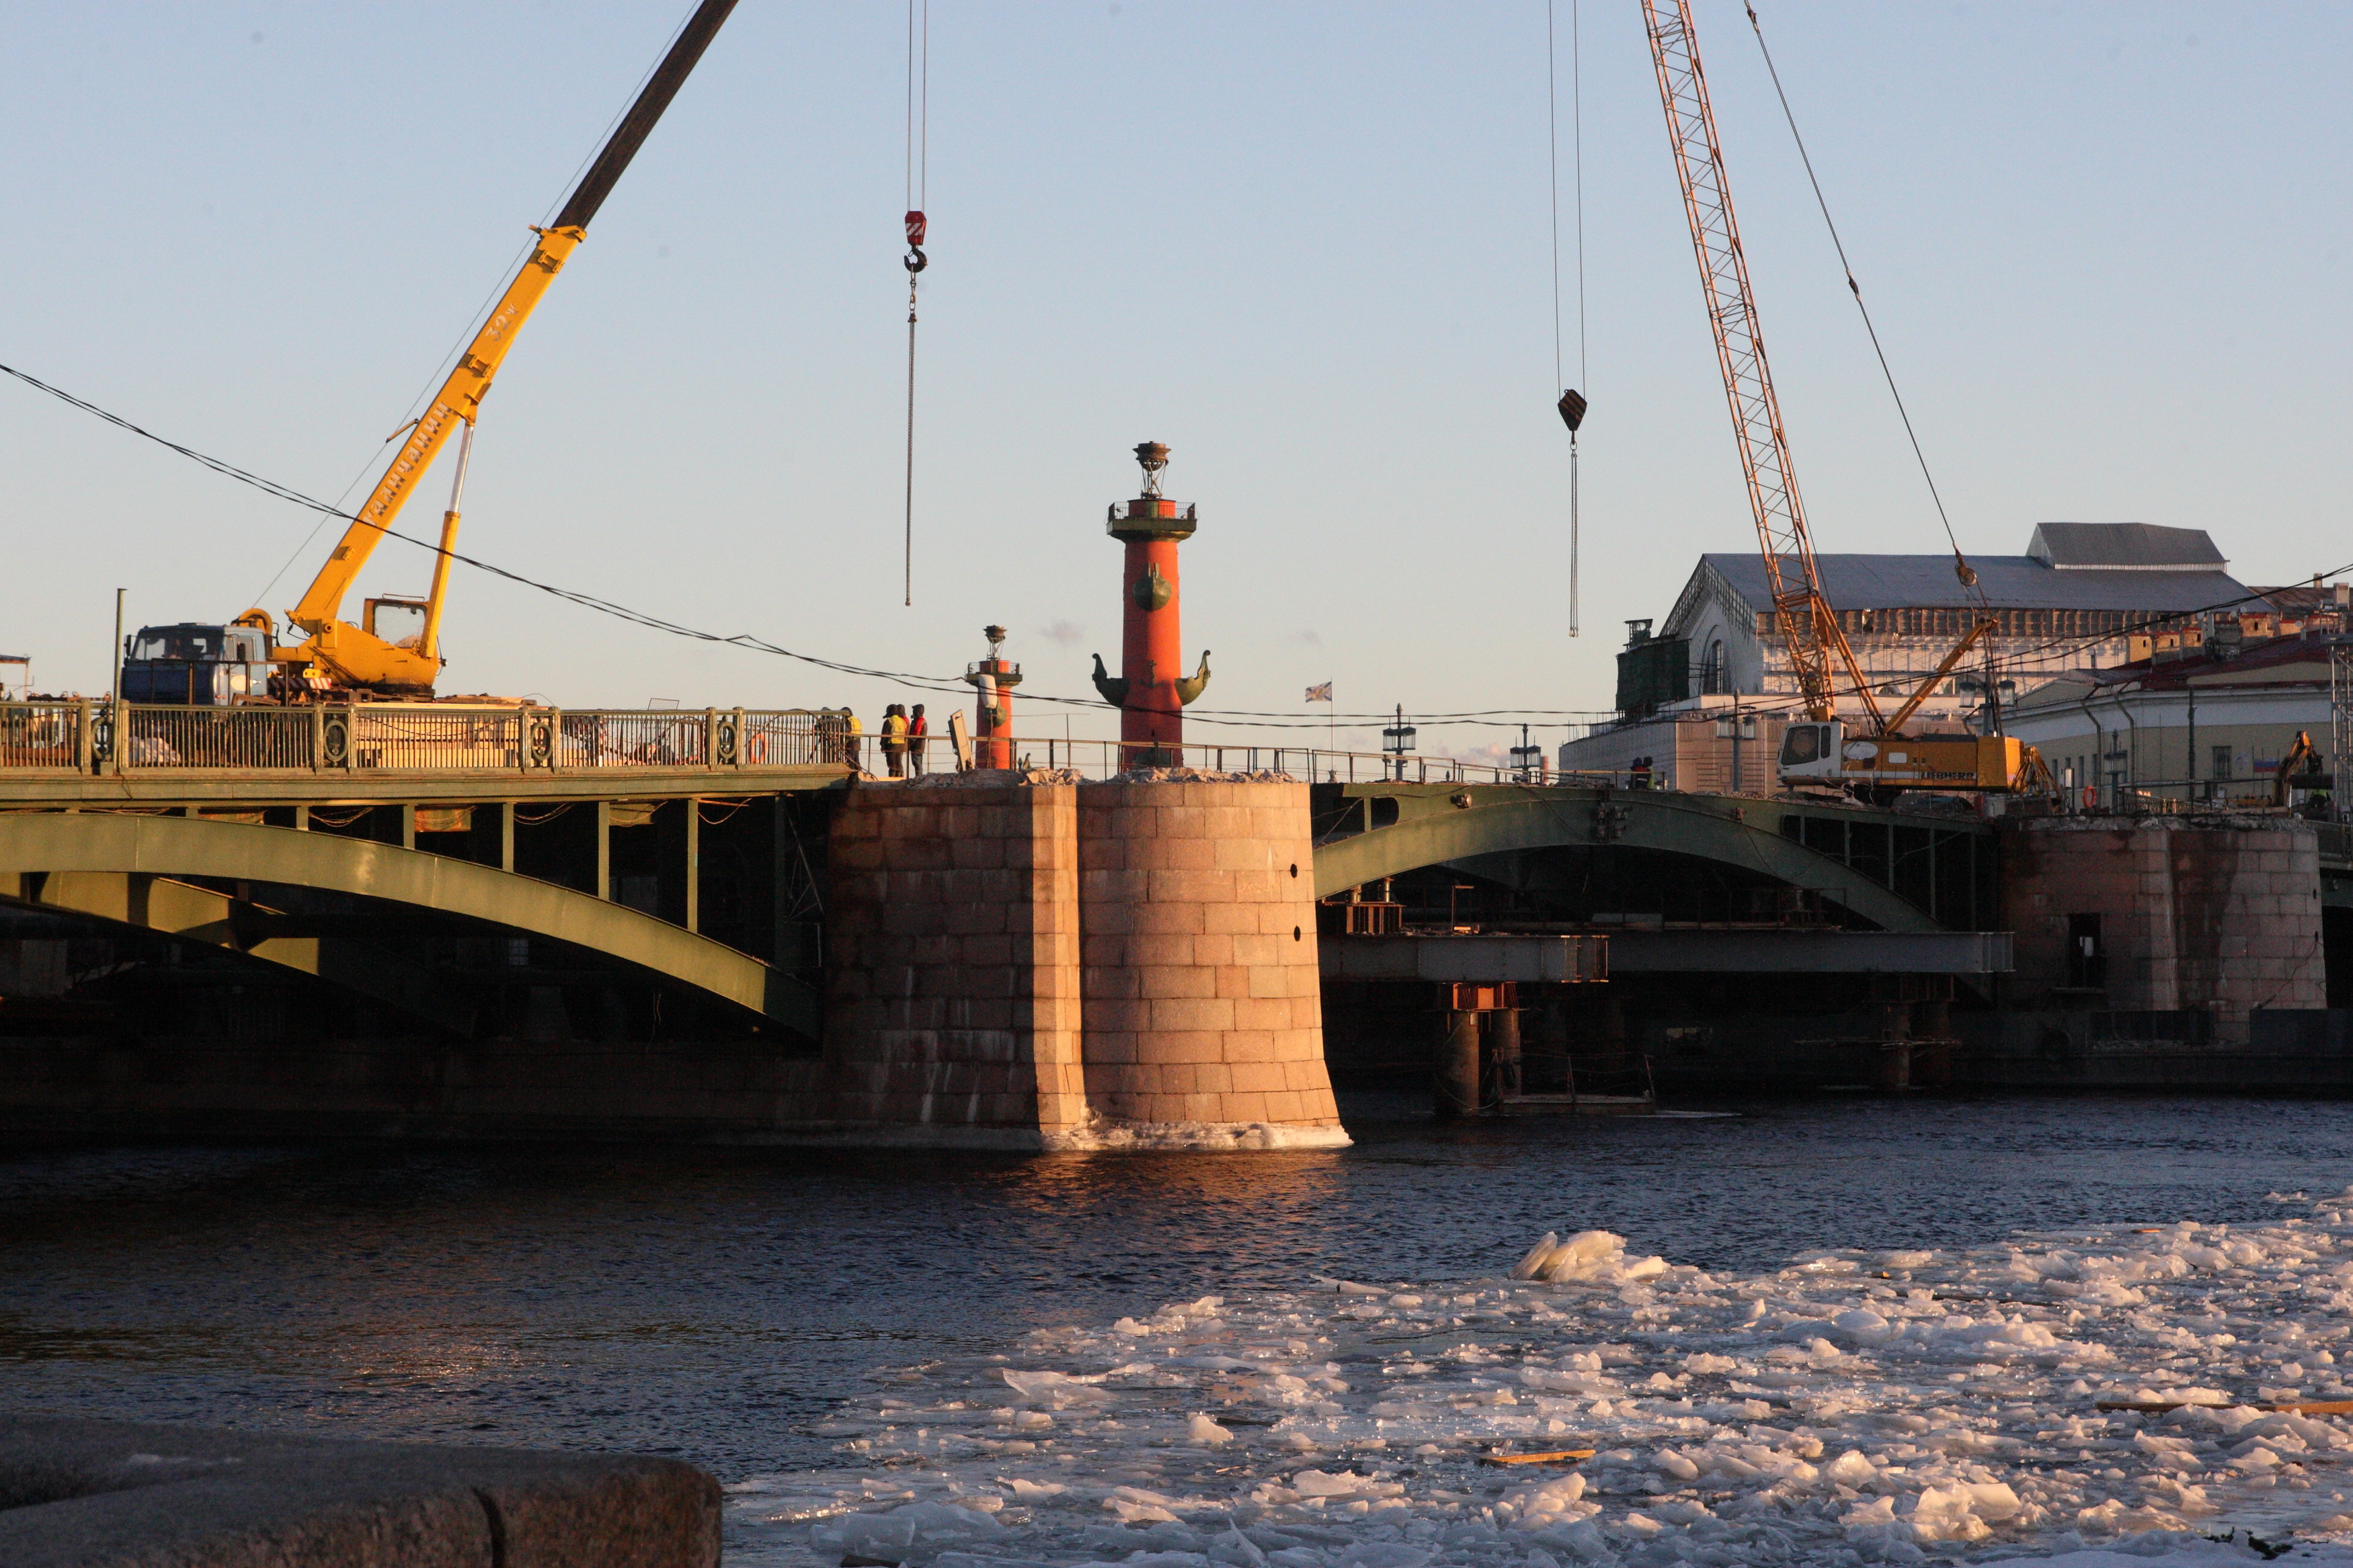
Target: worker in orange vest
[(917, 732)]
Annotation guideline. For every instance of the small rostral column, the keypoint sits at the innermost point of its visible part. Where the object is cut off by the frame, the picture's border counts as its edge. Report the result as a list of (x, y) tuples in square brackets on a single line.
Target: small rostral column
[(994, 678), (1152, 689)]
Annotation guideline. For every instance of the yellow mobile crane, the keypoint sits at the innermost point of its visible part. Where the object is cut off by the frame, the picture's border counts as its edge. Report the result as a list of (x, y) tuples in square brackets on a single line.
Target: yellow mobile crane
[(1817, 751), (341, 657)]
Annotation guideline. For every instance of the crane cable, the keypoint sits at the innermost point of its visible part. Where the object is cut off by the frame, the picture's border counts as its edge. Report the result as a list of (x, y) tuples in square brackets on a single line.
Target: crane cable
[(919, 146), (1961, 567), (1572, 404)]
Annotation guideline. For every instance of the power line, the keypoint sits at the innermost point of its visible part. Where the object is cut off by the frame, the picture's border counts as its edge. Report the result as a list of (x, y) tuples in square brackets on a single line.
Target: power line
[(937, 683), (952, 685)]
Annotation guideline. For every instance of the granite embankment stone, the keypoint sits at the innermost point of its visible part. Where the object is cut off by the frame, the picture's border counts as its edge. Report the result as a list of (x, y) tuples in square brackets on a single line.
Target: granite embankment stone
[(110, 1494)]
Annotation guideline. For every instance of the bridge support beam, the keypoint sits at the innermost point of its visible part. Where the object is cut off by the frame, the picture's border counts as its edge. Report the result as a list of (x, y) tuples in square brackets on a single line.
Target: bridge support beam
[(171, 849), (190, 913)]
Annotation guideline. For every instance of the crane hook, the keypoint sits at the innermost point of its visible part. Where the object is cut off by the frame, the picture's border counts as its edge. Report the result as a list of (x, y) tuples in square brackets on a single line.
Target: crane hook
[(917, 226)]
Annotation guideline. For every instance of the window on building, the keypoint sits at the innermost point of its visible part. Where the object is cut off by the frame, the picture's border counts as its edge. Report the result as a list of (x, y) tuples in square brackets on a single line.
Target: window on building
[(2221, 763)]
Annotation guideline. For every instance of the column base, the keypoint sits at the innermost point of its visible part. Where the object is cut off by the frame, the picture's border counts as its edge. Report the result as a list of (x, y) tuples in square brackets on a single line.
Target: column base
[(1209, 1137)]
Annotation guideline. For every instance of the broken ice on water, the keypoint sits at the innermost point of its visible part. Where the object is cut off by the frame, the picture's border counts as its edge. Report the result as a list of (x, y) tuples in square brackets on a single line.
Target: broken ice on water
[(1855, 1406)]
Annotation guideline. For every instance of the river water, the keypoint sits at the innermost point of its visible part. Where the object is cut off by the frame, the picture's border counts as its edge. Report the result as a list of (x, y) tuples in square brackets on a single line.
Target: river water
[(716, 1303)]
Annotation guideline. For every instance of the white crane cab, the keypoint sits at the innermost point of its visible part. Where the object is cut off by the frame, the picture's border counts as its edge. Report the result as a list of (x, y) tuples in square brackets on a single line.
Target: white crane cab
[(1820, 751)]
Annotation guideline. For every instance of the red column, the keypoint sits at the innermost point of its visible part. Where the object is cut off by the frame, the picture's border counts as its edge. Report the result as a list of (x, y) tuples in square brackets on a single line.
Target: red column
[(1151, 657), (1153, 686)]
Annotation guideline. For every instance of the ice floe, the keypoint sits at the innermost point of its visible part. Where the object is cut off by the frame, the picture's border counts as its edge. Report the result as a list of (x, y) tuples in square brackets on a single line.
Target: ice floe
[(1972, 1405)]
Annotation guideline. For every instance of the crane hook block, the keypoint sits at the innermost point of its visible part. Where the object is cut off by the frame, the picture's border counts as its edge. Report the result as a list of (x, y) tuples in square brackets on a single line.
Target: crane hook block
[(915, 259), (1572, 409), (915, 226)]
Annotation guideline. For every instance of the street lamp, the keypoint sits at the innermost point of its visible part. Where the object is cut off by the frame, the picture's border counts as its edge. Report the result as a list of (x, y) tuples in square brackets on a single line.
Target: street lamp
[(1398, 739)]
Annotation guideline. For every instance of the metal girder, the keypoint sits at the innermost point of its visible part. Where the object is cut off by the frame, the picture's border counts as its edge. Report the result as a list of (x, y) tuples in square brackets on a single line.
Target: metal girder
[(1561, 959), (1522, 960), (1973, 952), (1440, 824), (199, 914), (44, 844)]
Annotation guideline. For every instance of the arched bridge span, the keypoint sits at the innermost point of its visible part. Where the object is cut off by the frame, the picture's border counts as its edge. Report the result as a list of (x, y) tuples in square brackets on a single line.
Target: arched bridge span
[(1896, 871), (143, 871)]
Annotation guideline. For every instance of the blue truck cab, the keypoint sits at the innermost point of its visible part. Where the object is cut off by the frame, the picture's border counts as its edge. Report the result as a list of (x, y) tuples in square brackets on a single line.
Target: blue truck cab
[(196, 665)]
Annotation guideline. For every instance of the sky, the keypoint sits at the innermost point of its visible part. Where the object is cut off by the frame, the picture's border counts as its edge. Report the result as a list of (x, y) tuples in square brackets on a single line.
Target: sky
[(1308, 246)]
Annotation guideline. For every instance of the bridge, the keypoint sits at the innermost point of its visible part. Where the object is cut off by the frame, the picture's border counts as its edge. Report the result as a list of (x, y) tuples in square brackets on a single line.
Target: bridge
[(315, 839), (363, 847), (1890, 870), (665, 891)]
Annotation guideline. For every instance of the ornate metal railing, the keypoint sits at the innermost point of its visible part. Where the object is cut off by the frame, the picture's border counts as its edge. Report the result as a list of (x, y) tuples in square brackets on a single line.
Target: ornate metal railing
[(415, 737), (47, 735)]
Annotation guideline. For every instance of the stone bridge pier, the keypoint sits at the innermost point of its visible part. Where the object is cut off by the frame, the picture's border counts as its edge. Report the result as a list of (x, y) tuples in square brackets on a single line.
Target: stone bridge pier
[(1031, 962)]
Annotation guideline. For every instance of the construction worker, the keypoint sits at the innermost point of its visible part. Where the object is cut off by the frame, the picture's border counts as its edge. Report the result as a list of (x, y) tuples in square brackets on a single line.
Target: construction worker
[(895, 740), (916, 732)]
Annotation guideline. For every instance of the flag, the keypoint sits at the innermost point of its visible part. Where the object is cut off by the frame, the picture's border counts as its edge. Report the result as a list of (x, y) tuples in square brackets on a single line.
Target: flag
[(1320, 693)]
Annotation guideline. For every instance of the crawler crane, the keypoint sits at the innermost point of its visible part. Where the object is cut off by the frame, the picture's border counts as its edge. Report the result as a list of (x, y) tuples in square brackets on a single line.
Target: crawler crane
[(1818, 751)]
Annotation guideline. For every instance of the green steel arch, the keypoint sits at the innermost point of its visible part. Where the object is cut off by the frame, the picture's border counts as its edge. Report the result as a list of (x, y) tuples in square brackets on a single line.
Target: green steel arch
[(76, 855), (1439, 824)]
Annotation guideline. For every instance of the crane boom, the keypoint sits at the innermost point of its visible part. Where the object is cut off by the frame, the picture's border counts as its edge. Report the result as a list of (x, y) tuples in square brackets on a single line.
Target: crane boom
[(354, 656), (1809, 625)]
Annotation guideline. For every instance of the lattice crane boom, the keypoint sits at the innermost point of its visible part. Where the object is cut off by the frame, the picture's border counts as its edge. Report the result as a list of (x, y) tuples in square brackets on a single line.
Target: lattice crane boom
[(1809, 625)]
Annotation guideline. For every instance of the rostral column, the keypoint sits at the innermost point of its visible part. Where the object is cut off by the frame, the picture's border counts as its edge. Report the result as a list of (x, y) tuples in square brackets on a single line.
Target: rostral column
[(1151, 690)]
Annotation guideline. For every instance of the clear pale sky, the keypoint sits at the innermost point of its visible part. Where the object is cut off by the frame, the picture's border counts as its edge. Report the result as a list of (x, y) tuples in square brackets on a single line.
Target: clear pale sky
[(1305, 245)]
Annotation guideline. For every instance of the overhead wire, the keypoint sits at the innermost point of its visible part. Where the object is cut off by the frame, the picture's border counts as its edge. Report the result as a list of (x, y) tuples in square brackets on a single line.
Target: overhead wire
[(949, 685), (440, 371)]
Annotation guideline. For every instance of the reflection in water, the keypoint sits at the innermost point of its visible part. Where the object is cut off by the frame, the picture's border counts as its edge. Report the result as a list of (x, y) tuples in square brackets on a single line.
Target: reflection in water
[(716, 1303)]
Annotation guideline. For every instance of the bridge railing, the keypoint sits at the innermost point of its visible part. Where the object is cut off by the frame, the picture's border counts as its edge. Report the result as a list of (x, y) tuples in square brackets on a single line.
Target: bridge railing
[(80, 736), (49, 736), (1317, 765)]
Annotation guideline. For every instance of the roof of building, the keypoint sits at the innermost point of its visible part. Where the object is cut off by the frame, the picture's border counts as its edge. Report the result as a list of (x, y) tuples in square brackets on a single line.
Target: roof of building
[(2281, 661), (2123, 547), (2007, 581), (2302, 598)]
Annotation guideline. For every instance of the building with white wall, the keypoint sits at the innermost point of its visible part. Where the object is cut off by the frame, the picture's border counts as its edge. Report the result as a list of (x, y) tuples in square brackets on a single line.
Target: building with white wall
[(2071, 602), (2209, 723), (2082, 598)]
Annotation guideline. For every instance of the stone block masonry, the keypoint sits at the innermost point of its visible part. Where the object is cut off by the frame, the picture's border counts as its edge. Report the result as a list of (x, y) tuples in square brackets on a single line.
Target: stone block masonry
[(1201, 1002), (2221, 915), (953, 979), (1072, 965)]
